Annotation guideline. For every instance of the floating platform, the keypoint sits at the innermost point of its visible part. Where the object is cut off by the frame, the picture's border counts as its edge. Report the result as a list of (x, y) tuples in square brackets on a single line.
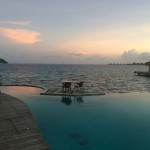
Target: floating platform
[(142, 73), (56, 92)]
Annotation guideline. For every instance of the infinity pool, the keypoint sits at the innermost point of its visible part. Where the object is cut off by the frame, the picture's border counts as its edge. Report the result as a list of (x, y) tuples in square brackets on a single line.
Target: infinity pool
[(109, 122)]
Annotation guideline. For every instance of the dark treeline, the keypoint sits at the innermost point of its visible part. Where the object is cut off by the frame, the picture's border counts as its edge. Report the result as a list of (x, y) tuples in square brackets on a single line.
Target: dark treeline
[(134, 63)]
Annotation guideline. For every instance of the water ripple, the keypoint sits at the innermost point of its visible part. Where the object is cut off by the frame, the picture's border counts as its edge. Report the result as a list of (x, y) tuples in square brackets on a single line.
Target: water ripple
[(107, 78)]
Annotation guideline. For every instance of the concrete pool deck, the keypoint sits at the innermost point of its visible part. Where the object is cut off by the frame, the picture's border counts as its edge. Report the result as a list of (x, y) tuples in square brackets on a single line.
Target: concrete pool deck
[(57, 92), (18, 130)]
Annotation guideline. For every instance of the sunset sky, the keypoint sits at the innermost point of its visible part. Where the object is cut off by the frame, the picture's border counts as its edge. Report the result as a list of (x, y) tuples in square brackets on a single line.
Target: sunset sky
[(75, 31)]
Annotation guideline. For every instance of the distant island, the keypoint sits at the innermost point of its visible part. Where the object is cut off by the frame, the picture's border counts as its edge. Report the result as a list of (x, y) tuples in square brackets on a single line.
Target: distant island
[(2, 61), (134, 63)]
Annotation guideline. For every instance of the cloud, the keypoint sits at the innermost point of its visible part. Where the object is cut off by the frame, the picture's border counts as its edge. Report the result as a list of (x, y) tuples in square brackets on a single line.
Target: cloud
[(144, 56), (132, 55), (77, 54), (21, 36), (22, 23)]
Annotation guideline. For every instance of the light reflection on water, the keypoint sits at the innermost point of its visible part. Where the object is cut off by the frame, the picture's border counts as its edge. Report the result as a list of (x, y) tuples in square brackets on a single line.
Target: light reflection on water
[(21, 90), (109, 122)]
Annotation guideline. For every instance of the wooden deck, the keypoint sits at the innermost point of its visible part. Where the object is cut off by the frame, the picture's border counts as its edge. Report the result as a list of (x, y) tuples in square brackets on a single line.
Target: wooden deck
[(56, 92), (17, 128)]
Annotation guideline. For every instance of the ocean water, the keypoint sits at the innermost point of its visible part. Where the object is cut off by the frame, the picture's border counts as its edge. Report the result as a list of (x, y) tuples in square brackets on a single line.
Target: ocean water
[(109, 122), (105, 78)]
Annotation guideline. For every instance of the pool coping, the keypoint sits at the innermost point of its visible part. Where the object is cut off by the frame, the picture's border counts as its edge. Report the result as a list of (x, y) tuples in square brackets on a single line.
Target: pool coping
[(26, 85), (56, 92)]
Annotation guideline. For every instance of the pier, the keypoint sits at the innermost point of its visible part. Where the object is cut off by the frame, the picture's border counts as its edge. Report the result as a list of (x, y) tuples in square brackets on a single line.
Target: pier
[(142, 73), (18, 130)]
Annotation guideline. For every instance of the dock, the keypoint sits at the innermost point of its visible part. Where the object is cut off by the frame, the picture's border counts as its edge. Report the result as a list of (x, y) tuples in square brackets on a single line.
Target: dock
[(57, 92), (18, 130), (142, 73)]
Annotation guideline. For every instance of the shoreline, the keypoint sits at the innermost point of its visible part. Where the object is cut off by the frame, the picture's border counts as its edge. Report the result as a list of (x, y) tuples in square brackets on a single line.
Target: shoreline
[(18, 128)]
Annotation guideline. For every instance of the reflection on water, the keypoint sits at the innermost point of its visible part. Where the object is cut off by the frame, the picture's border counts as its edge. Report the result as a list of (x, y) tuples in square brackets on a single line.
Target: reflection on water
[(79, 99), (68, 99), (20, 90)]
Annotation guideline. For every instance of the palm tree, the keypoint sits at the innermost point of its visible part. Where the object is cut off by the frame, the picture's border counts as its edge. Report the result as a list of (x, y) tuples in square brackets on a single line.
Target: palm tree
[(148, 64)]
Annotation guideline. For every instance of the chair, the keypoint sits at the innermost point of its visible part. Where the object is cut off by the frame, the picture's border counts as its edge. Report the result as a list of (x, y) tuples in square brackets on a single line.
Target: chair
[(79, 85), (66, 86)]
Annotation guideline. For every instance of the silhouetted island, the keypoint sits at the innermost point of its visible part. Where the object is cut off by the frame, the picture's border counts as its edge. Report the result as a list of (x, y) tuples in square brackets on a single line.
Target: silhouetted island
[(2, 61), (134, 63)]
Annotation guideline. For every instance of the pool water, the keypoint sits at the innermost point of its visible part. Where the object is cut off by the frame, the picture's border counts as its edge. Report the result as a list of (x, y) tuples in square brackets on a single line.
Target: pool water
[(109, 122)]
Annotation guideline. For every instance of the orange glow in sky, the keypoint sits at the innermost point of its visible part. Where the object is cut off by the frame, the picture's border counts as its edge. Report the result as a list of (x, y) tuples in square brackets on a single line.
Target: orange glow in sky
[(54, 31)]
